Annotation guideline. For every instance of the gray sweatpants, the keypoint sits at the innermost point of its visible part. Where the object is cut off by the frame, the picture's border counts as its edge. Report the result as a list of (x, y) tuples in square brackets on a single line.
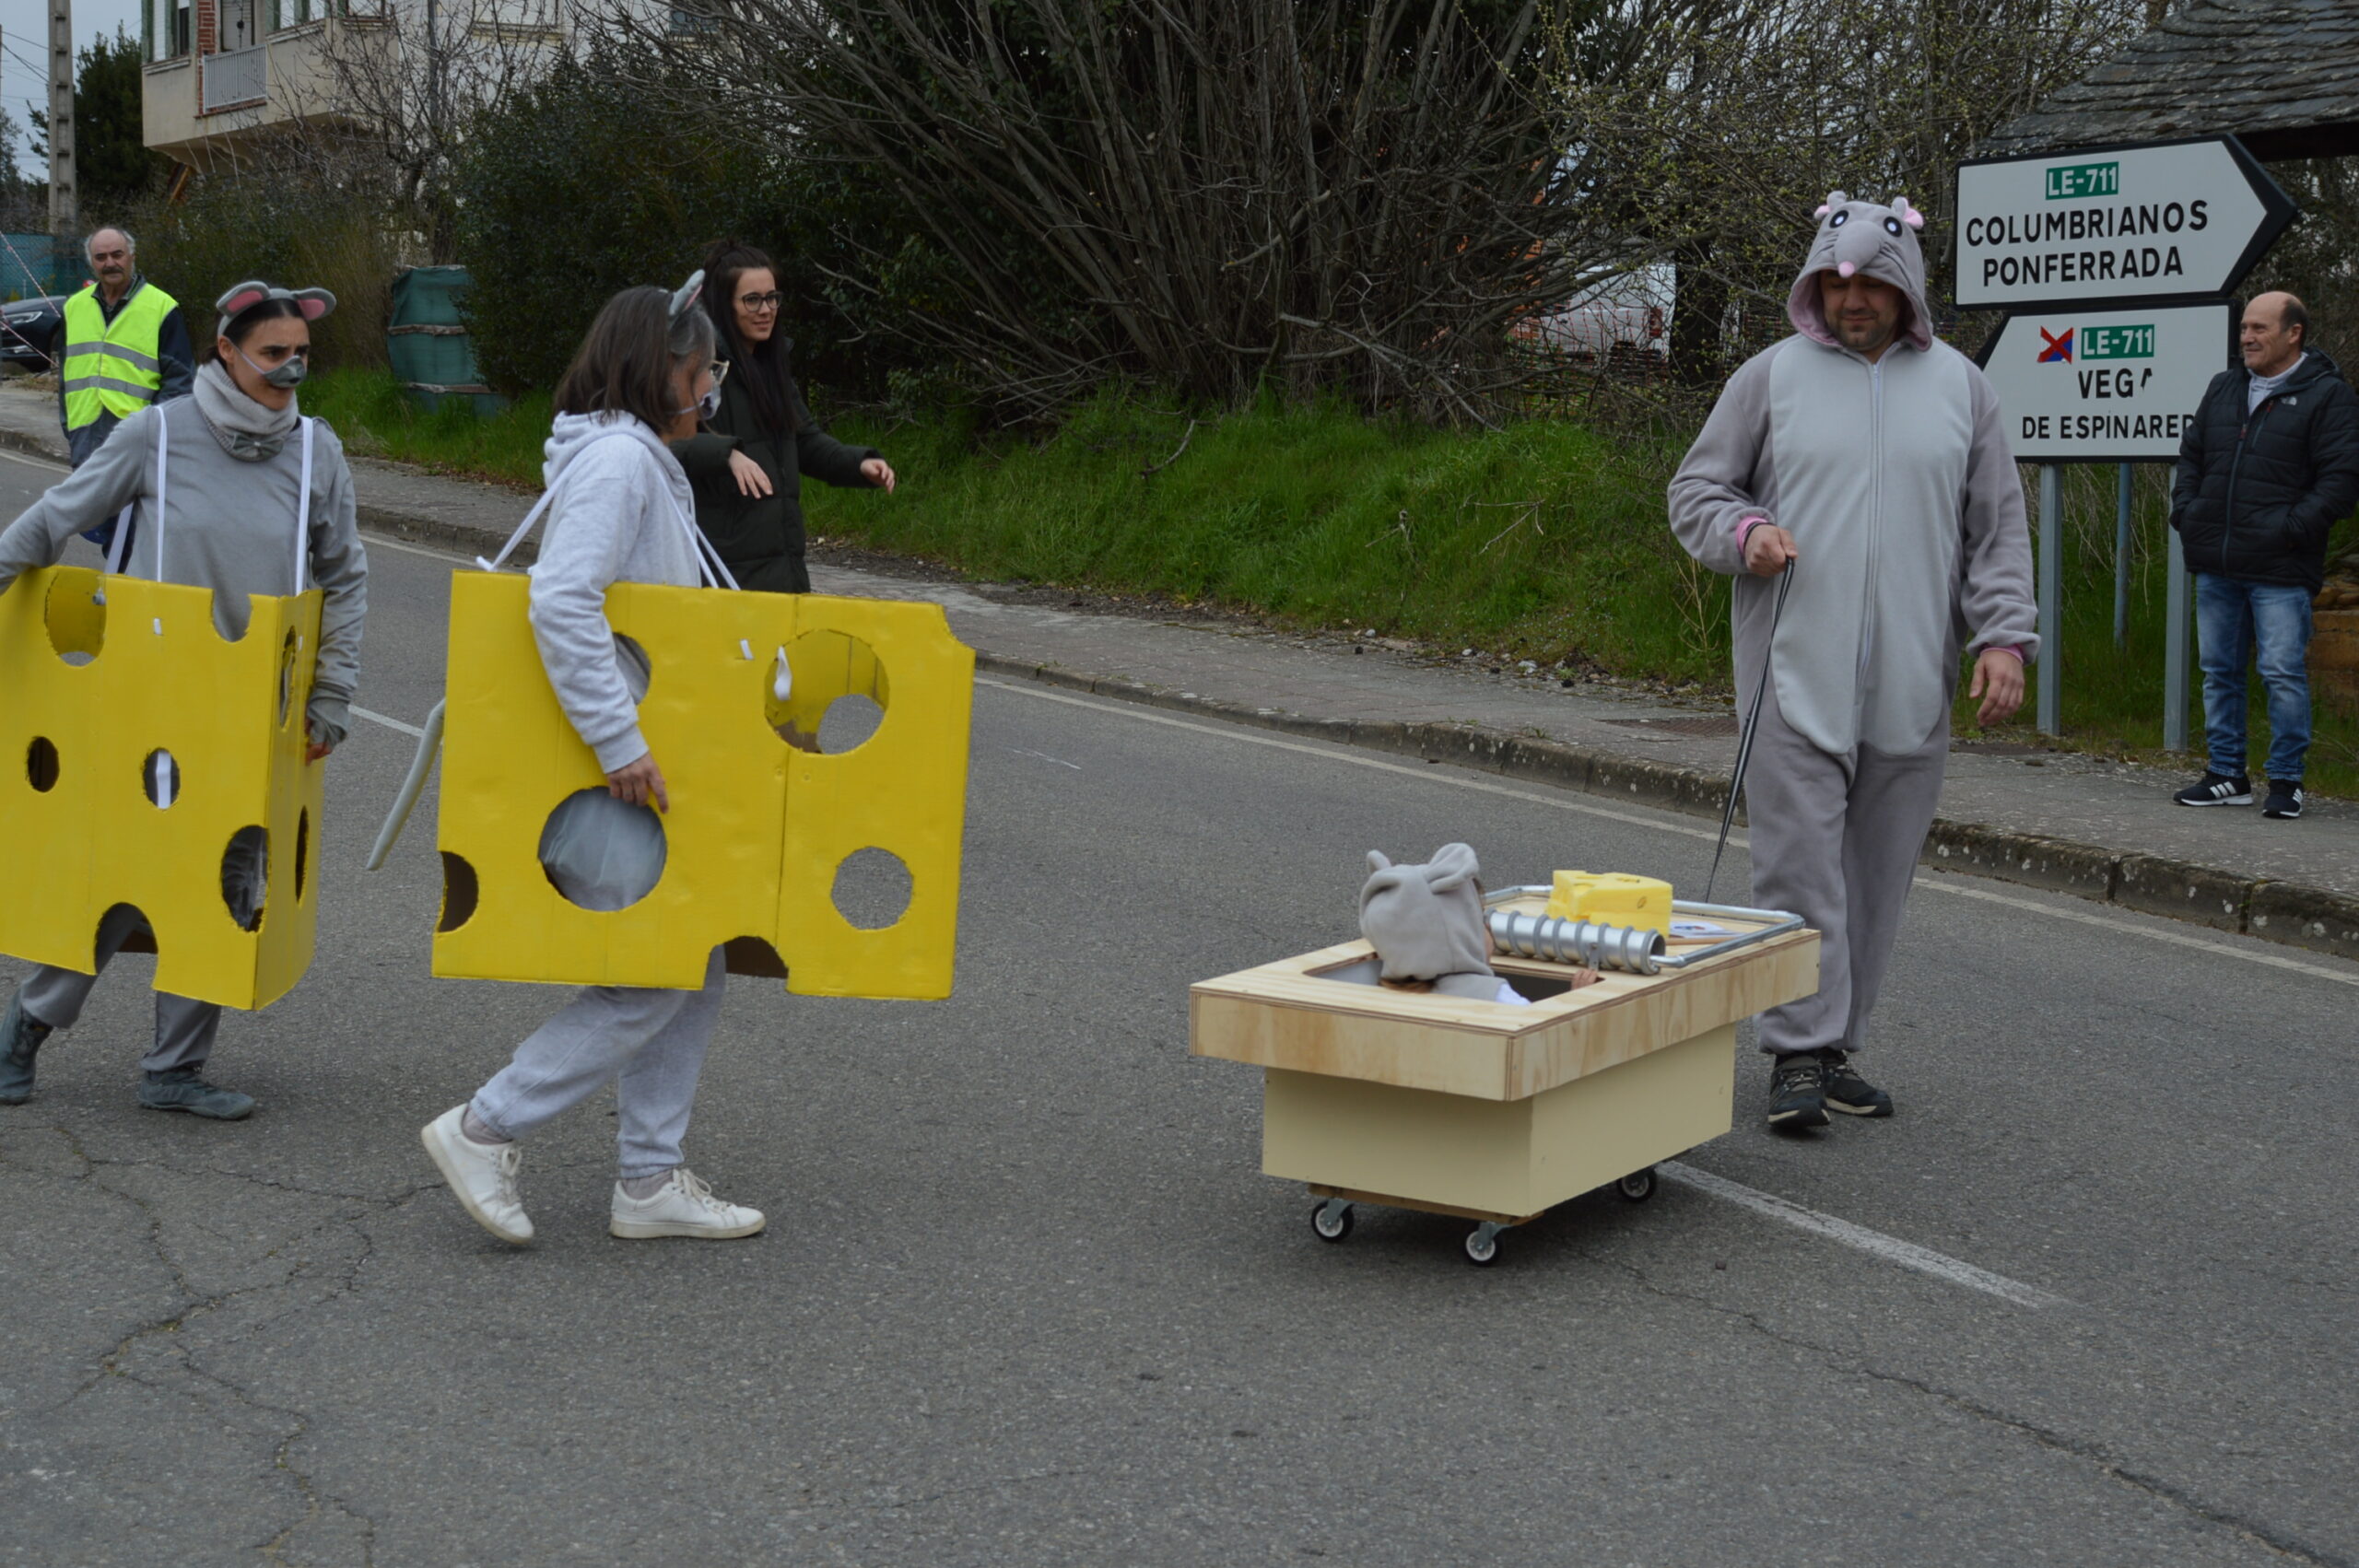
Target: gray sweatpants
[(1836, 839), (184, 1028), (651, 1043)]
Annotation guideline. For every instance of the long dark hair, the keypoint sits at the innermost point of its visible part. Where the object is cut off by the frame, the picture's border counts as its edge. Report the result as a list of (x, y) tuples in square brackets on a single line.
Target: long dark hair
[(759, 368), (625, 363)]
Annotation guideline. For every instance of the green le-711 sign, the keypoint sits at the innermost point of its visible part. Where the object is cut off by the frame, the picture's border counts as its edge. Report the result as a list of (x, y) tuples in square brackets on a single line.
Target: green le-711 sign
[(2070, 181), (2117, 342)]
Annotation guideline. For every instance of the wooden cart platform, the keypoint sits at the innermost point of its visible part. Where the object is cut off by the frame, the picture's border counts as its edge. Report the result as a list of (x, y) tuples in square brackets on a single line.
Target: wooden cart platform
[(1485, 1111)]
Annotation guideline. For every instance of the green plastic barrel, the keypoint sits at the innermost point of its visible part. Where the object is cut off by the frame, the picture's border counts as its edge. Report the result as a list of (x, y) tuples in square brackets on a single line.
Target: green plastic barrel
[(428, 340)]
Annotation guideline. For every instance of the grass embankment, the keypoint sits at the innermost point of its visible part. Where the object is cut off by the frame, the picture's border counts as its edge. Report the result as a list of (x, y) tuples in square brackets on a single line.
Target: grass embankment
[(1545, 541), (376, 418)]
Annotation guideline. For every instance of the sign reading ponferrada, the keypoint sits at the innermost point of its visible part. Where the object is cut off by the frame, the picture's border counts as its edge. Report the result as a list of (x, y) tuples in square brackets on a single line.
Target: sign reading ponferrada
[(2105, 386), (2160, 221)]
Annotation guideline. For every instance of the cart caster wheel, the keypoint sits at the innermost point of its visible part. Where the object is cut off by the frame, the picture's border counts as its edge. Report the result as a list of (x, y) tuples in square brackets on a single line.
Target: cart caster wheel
[(1638, 1185), (1482, 1245), (1332, 1220)]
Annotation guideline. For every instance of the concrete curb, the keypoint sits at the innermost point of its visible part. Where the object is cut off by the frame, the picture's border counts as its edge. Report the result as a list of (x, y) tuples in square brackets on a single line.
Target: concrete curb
[(2291, 913), (2285, 912)]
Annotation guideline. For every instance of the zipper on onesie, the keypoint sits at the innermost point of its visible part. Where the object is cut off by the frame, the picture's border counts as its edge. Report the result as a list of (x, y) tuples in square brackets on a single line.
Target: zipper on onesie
[(1875, 549)]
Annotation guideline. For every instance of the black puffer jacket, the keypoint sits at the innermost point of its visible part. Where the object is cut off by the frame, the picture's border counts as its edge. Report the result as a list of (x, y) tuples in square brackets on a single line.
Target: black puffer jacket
[(761, 537), (2254, 497)]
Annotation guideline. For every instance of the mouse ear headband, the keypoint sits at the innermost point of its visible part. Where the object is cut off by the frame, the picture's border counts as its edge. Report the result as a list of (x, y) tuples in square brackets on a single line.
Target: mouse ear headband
[(313, 302), (685, 297)]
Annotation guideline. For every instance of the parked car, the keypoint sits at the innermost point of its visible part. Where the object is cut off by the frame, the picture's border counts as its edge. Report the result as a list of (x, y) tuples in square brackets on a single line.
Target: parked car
[(29, 330)]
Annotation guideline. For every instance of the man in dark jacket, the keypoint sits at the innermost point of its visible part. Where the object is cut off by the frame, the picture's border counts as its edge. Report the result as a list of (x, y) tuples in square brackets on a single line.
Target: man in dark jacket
[(2269, 466)]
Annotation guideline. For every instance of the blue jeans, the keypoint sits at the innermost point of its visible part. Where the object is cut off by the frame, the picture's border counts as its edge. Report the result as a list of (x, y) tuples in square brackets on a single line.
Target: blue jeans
[(2235, 621)]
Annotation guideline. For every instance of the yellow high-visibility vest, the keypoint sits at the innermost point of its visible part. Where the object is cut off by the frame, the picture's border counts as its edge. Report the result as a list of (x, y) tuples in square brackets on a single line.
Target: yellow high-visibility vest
[(113, 367)]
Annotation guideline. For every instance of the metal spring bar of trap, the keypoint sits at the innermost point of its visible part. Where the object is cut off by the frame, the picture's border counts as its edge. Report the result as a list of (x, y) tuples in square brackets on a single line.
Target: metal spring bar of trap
[(1633, 950)]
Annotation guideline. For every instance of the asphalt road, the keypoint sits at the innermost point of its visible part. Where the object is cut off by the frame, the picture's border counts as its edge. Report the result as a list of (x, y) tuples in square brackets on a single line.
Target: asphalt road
[(1024, 1298)]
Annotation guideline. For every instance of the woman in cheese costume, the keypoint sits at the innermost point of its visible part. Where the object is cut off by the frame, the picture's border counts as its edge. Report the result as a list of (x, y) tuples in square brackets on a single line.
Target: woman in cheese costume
[(236, 451), (620, 510)]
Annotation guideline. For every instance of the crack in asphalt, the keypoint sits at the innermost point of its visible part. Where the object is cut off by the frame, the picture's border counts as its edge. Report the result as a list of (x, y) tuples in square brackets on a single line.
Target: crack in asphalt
[(2056, 1442), (197, 1304)]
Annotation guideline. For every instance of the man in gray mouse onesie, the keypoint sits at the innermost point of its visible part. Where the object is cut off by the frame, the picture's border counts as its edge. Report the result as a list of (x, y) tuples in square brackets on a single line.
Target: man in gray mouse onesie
[(1870, 461)]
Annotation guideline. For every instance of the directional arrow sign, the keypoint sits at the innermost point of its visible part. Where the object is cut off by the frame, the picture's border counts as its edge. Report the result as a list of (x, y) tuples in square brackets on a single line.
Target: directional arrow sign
[(2105, 386), (2157, 220)]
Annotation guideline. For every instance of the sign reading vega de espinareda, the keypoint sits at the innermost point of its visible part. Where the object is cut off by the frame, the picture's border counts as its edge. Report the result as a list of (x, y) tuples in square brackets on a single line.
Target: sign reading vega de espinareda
[(2160, 221)]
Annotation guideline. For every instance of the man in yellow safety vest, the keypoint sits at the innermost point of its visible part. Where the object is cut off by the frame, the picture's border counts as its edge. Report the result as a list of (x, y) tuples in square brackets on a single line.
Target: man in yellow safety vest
[(125, 346)]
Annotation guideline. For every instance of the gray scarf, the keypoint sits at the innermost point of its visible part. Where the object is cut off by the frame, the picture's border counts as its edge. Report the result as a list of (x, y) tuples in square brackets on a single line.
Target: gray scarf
[(246, 430)]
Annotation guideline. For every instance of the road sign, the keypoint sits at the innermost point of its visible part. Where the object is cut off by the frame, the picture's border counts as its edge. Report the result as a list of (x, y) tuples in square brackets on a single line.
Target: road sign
[(2105, 386), (2157, 220)]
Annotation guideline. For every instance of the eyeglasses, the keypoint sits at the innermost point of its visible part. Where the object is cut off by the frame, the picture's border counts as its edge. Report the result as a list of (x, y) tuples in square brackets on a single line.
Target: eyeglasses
[(770, 302), (720, 371)]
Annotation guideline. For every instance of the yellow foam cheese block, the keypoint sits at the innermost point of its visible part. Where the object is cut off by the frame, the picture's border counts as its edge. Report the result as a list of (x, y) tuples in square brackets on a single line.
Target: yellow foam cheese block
[(136, 745), (757, 831), (1612, 898)]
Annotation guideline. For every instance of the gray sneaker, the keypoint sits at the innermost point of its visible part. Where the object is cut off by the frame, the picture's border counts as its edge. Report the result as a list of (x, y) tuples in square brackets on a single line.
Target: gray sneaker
[(20, 1040), (180, 1089)]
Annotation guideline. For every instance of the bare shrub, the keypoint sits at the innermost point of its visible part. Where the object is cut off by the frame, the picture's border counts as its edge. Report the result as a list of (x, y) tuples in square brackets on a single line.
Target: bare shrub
[(1209, 196)]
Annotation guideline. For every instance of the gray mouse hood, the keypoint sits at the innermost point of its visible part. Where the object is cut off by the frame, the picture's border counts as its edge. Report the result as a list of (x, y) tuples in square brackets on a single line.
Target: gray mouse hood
[(1863, 236)]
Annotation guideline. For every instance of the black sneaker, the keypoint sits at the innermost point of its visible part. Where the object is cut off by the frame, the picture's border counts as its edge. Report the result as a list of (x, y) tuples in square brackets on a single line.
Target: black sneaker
[(1846, 1092), (2216, 789), (1797, 1092), (20, 1037), (2284, 801)]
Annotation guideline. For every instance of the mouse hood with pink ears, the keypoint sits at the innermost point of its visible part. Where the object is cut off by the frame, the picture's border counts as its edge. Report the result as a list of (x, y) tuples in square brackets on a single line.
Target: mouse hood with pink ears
[(1863, 236)]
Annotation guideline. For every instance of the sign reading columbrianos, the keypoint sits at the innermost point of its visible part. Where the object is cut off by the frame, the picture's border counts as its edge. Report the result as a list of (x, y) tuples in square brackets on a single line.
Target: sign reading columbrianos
[(2111, 386), (2160, 220)]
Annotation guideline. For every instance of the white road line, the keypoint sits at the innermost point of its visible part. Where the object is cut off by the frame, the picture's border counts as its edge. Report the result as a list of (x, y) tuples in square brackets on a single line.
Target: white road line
[(410, 729), (2346, 977), (31, 462), (377, 541), (1937, 884), (1239, 733), (1892, 1249)]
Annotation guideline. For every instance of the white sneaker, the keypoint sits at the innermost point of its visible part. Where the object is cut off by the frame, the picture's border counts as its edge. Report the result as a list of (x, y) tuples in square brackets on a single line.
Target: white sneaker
[(482, 1176), (683, 1206)]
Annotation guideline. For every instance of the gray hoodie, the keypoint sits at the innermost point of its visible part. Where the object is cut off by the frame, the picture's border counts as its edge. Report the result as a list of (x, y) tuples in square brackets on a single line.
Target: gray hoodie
[(229, 525), (1425, 922), (619, 511), (1896, 482)]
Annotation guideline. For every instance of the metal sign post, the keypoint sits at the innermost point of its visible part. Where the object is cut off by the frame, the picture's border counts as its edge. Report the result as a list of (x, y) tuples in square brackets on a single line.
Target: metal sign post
[(2121, 548), (2175, 652), (2051, 599)]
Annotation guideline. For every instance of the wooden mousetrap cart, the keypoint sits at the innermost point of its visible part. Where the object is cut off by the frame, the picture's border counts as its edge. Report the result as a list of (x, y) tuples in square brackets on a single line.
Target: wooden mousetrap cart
[(1488, 1111)]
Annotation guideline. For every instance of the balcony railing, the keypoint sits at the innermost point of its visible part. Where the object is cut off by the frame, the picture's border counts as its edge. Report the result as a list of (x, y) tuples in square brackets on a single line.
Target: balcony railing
[(239, 76)]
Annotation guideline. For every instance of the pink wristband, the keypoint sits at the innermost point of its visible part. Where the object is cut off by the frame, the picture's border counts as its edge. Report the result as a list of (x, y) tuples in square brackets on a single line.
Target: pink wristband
[(2015, 649), (1744, 527)]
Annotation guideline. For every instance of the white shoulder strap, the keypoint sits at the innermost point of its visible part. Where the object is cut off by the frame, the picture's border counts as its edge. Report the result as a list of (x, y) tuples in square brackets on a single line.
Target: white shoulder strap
[(161, 444), (303, 510), (709, 567), (517, 538)]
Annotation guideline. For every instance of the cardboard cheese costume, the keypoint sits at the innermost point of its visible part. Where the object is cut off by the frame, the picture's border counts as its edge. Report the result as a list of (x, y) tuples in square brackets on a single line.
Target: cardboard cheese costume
[(759, 830), (1894, 479), (156, 715)]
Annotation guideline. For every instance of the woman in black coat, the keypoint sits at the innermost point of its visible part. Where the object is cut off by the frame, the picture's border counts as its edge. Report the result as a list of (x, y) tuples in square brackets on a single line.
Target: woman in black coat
[(747, 462)]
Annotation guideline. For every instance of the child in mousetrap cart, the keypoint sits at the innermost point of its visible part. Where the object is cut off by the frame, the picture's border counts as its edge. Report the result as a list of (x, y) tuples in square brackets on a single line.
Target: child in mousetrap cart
[(620, 510), (233, 490)]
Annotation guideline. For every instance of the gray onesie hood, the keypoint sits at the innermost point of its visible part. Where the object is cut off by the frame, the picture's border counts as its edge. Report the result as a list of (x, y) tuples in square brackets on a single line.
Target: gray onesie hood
[(1425, 922), (1860, 237)]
